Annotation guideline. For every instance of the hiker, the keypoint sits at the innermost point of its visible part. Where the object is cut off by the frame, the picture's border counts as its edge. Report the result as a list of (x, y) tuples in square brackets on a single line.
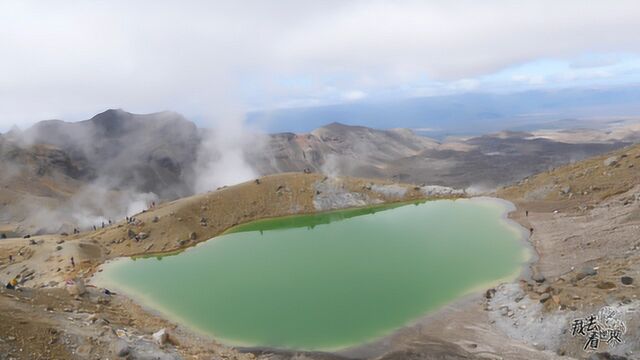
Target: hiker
[(109, 221), (94, 228), (126, 218), (73, 263), (11, 285), (530, 231), (526, 213), (103, 224), (10, 258)]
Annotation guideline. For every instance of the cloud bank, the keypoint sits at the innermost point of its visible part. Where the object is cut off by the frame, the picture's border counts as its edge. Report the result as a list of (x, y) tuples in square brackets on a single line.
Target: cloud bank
[(69, 59)]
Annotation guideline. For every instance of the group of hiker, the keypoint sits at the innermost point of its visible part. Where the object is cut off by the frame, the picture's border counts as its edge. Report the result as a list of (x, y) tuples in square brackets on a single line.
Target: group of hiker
[(13, 283)]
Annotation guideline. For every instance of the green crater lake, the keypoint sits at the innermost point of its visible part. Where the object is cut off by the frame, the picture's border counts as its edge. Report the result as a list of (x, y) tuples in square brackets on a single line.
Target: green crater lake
[(331, 280)]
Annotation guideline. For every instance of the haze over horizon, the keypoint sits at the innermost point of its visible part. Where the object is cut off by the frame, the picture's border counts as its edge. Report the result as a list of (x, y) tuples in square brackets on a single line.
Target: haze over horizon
[(214, 62)]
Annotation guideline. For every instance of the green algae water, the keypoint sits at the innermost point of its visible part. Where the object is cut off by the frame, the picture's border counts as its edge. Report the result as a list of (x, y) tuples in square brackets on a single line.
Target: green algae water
[(328, 281)]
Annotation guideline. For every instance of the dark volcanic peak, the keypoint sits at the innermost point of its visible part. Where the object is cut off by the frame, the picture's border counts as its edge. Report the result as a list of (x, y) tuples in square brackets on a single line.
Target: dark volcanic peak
[(147, 152), (112, 122)]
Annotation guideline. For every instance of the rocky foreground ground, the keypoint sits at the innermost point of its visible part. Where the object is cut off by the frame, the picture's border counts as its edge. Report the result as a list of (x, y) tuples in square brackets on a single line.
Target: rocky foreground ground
[(586, 221)]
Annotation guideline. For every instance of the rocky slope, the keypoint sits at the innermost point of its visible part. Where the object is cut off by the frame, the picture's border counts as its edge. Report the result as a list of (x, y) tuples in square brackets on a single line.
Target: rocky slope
[(585, 221), (67, 175), (149, 153), (484, 162), (95, 325)]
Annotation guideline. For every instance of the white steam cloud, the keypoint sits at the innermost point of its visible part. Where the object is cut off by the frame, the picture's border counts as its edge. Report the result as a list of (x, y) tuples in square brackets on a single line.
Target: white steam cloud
[(221, 158)]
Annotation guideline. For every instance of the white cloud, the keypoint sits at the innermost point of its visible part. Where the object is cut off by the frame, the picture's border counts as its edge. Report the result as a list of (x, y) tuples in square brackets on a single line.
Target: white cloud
[(529, 79), (354, 95), (72, 59)]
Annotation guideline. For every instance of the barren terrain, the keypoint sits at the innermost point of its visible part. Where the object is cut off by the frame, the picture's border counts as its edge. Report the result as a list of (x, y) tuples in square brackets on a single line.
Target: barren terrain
[(586, 226)]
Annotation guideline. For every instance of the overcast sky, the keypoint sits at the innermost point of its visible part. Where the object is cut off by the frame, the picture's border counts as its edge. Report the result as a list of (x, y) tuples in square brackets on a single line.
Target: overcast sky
[(215, 60)]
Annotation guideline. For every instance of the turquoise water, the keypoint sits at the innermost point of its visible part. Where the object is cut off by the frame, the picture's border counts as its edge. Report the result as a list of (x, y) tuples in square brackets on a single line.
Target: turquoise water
[(327, 281)]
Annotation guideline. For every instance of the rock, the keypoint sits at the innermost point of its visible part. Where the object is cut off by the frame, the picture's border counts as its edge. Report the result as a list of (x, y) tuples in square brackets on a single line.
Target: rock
[(59, 241), (539, 278), (58, 247), (611, 161), (84, 351), (161, 336), (606, 356), (121, 348), (131, 234), (76, 287), (155, 219), (539, 347), (606, 285), (545, 297), (490, 293), (584, 272), (565, 190), (544, 289), (626, 280), (193, 235), (143, 235)]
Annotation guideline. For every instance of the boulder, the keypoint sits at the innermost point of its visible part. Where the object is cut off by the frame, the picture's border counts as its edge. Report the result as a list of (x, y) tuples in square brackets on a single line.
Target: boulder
[(539, 278), (161, 336), (545, 297), (121, 348), (490, 293), (193, 235), (611, 161), (606, 356), (606, 285), (76, 287), (131, 234), (142, 235), (626, 280), (155, 219), (585, 271), (183, 242)]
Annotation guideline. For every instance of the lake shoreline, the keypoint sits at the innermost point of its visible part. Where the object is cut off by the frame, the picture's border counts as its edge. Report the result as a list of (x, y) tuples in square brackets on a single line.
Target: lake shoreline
[(467, 297)]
